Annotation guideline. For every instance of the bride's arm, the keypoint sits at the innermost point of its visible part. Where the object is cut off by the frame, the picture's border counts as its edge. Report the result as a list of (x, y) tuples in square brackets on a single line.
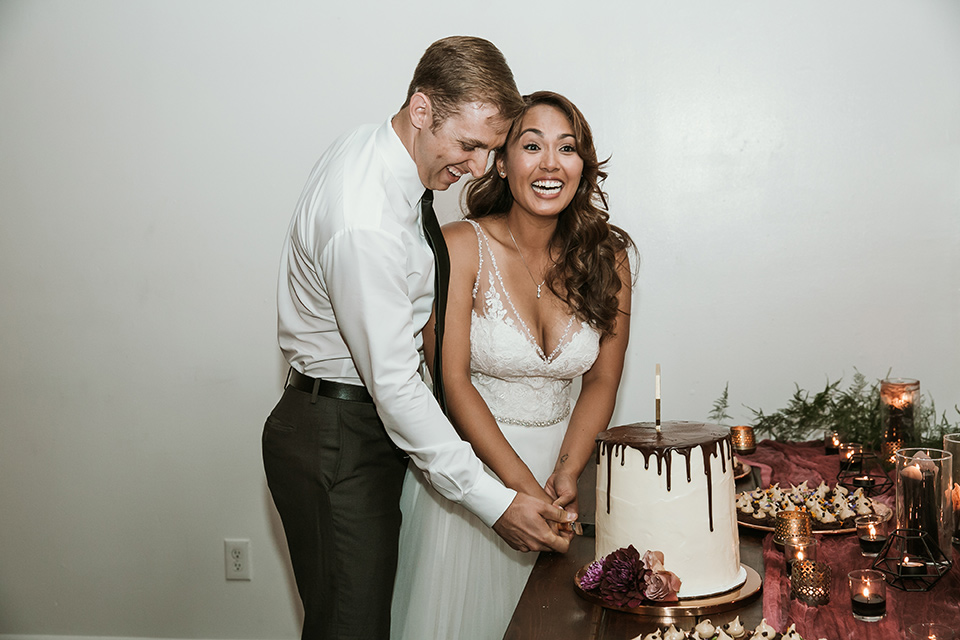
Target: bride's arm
[(467, 409), (594, 408)]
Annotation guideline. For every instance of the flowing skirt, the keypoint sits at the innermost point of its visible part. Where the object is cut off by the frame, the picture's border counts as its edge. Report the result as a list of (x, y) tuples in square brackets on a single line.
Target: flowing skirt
[(456, 578)]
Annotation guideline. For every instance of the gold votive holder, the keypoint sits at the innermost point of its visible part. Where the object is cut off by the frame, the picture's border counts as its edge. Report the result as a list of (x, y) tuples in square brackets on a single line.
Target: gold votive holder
[(744, 442), (810, 582), (796, 548), (792, 524)]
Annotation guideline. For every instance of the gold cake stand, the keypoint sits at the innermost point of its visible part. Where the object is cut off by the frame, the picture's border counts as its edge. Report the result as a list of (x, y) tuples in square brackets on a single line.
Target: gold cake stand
[(673, 611)]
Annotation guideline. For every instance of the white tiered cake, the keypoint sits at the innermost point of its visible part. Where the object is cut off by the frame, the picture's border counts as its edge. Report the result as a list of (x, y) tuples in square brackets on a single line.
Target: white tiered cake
[(672, 492)]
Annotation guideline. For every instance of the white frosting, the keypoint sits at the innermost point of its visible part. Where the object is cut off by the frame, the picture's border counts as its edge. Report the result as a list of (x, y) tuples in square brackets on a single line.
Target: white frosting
[(677, 522)]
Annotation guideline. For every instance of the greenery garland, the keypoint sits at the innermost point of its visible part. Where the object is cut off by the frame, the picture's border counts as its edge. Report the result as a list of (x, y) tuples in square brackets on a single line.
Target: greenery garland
[(854, 413)]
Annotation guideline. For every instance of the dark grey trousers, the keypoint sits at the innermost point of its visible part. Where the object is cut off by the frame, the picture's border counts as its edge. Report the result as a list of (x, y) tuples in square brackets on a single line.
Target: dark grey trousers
[(336, 478)]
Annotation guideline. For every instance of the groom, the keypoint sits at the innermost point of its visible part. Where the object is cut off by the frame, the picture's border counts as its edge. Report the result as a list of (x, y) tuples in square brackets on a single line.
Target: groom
[(356, 288)]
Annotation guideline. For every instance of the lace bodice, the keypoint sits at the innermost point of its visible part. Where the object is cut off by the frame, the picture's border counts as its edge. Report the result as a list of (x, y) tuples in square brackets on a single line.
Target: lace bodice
[(519, 382)]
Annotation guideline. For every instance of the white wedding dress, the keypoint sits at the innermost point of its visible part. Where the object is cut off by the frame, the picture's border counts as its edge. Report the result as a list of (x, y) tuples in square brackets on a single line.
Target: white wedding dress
[(456, 578)]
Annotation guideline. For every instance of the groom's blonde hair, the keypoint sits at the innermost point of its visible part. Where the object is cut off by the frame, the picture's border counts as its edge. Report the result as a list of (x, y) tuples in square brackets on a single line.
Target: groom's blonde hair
[(460, 70)]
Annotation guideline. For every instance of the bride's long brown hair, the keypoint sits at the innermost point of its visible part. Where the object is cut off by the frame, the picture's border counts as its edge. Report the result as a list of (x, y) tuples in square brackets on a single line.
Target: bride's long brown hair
[(588, 247)]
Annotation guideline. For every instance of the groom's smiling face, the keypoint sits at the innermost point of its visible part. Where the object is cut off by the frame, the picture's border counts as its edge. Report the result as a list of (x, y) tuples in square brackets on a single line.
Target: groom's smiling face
[(460, 144)]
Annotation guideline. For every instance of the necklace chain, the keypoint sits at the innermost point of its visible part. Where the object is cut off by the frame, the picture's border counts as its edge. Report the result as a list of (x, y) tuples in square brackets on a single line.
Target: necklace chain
[(525, 261)]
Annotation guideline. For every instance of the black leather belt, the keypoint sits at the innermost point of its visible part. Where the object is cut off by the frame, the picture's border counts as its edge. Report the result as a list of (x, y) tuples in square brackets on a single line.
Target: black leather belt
[(328, 389)]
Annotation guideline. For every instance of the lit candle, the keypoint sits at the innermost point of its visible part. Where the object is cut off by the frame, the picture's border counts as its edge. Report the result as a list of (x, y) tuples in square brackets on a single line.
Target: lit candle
[(868, 595), (865, 482), (871, 532), (910, 567), (799, 548)]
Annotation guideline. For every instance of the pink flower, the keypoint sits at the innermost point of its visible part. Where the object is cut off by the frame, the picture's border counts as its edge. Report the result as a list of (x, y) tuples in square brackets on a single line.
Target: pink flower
[(661, 586), (653, 561)]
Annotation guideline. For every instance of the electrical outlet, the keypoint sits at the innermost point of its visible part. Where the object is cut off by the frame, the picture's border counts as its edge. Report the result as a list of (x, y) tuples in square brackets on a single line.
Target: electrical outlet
[(236, 555)]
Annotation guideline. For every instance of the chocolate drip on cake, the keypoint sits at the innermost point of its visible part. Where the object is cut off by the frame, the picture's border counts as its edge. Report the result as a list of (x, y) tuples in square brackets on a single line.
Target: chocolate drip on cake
[(679, 437)]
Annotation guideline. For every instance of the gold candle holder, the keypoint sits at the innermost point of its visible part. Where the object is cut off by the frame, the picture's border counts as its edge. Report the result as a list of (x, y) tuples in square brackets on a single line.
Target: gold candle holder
[(744, 442), (810, 582), (792, 524)]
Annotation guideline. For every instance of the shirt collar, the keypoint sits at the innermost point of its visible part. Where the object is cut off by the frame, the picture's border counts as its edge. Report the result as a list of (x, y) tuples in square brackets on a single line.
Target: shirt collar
[(400, 164)]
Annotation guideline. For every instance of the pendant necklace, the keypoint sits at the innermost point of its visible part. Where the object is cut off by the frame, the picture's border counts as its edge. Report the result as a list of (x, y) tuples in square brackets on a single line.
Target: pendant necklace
[(525, 261)]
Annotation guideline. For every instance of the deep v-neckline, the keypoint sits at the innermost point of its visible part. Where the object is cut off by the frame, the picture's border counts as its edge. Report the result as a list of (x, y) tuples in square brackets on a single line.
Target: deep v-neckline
[(524, 329)]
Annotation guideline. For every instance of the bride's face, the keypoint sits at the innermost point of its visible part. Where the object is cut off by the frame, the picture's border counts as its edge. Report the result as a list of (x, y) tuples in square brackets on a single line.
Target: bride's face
[(541, 164)]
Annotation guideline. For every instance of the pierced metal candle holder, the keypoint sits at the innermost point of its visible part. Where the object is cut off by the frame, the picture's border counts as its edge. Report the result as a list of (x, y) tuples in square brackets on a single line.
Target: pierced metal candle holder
[(810, 582), (911, 560), (792, 524), (743, 440), (865, 472)]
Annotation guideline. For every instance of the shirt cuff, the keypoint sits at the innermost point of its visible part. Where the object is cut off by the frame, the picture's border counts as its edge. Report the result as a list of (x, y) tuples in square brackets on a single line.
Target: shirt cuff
[(488, 499)]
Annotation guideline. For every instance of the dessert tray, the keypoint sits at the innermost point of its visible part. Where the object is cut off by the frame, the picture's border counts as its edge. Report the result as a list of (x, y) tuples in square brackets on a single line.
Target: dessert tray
[(832, 510), (669, 611), (733, 630)]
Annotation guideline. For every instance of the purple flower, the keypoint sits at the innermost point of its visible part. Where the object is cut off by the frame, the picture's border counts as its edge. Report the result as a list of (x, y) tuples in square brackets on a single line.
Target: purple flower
[(591, 577), (622, 578), (661, 586)]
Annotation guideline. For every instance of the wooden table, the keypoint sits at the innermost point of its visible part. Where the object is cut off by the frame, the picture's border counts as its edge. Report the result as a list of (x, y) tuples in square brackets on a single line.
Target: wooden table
[(550, 607)]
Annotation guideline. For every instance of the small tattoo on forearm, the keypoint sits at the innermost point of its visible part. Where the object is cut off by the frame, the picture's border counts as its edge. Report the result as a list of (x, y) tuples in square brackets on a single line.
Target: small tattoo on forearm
[(564, 457)]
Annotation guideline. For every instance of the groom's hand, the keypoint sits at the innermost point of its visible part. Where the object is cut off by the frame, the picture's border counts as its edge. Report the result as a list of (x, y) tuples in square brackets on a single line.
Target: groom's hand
[(526, 525)]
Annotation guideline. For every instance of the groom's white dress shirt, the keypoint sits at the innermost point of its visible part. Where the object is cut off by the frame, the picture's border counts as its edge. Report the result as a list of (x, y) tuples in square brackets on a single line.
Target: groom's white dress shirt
[(356, 289)]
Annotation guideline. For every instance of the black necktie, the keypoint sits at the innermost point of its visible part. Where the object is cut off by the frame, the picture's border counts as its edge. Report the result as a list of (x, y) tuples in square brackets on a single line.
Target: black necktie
[(441, 279)]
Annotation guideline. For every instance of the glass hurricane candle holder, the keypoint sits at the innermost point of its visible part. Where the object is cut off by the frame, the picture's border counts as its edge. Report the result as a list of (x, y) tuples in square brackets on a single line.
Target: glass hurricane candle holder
[(924, 479), (744, 442), (797, 548), (951, 443), (851, 457), (831, 443), (868, 595), (931, 631), (792, 524), (898, 401), (872, 534), (810, 582)]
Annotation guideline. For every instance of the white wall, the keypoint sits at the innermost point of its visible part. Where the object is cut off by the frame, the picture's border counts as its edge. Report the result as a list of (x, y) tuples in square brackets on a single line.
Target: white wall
[(791, 172)]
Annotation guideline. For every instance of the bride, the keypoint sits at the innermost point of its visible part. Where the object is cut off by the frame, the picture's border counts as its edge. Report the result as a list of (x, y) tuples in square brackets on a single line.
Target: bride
[(539, 295)]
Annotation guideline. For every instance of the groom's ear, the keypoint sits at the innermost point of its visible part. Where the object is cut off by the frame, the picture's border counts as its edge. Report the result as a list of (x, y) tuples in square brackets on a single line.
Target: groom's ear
[(420, 110)]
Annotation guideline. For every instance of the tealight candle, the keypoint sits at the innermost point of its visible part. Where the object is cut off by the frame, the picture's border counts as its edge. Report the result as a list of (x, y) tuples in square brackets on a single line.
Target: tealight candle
[(930, 631), (868, 595), (910, 567), (851, 457), (865, 482), (796, 548), (872, 534)]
